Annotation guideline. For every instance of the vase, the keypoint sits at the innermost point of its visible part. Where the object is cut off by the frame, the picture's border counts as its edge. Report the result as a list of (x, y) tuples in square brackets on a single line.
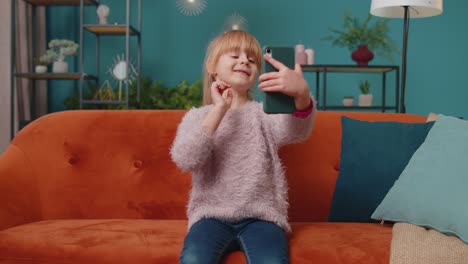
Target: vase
[(365, 100), (362, 55), (40, 69), (60, 66), (348, 101)]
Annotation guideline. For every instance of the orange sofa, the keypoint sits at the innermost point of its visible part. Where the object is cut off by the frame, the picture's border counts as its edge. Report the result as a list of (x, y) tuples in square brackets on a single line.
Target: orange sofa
[(100, 187)]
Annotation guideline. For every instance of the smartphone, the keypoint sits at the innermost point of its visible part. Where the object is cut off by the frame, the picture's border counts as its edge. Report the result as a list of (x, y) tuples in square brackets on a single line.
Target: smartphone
[(276, 102)]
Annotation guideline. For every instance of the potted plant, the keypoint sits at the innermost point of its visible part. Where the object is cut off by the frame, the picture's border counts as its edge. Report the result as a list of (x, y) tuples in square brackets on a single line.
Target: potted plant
[(363, 38), (153, 95), (365, 98), (348, 100), (42, 62), (59, 49)]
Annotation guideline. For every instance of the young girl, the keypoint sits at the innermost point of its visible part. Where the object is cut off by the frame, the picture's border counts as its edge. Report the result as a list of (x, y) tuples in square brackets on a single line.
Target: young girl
[(239, 191)]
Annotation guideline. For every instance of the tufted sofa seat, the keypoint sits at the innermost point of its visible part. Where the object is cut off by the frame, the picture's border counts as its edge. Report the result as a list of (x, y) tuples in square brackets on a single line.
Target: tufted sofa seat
[(100, 187)]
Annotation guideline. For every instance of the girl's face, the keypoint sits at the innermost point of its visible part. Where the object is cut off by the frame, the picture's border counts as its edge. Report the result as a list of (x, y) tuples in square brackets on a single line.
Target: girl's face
[(237, 68)]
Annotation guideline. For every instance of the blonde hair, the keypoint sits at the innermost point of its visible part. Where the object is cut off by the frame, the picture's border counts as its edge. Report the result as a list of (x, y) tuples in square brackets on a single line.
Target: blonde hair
[(226, 42)]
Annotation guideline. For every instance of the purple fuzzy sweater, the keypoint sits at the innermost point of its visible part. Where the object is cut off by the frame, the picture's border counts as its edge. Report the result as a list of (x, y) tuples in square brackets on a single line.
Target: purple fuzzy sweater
[(236, 172)]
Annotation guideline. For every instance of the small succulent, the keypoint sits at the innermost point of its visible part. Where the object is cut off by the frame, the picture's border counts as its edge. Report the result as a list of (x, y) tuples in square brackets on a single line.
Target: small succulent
[(364, 86)]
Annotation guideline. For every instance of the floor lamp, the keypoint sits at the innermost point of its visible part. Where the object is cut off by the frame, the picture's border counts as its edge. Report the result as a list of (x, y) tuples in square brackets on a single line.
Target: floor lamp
[(405, 9)]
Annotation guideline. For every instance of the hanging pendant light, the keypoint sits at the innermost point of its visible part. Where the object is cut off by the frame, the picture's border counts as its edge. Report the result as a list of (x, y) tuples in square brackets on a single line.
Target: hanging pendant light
[(191, 7), (235, 22)]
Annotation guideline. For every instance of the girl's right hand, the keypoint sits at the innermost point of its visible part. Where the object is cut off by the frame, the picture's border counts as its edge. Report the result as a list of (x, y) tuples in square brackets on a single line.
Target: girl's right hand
[(221, 94)]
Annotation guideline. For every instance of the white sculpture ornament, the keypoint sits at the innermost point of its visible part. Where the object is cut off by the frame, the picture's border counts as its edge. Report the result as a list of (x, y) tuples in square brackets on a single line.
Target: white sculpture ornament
[(119, 72), (103, 12)]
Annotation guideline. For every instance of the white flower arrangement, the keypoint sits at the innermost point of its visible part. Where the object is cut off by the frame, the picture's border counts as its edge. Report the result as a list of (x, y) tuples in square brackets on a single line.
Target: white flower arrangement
[(60, 48)]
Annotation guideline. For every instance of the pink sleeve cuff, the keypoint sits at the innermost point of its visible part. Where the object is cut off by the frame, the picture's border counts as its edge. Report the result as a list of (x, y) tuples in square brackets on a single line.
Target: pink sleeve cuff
[(306, 112)]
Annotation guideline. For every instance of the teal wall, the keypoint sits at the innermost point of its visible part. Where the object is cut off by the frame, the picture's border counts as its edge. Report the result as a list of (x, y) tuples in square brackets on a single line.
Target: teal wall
[(173, 45)]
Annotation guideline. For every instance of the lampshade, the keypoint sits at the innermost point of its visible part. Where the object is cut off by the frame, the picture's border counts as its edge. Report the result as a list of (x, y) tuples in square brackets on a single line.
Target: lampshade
[(417, 8)]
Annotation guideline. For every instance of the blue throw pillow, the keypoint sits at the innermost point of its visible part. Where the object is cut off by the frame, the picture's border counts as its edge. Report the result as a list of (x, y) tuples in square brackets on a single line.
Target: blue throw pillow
[(432, 191), (373, 155)]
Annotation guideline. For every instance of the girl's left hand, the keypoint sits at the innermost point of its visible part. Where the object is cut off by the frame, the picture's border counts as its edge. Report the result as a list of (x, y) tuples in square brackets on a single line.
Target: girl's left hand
[(287, 81)]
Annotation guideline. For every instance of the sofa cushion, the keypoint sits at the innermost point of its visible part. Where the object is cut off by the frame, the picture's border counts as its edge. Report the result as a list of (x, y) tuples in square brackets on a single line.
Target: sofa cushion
[(160, 241), (373, 155), (418, 245), (363, 243), (94, 241), (431, 191)]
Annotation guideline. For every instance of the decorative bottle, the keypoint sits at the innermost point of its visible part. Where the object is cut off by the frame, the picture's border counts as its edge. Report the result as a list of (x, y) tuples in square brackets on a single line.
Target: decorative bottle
[(310, 56), (301, 56)]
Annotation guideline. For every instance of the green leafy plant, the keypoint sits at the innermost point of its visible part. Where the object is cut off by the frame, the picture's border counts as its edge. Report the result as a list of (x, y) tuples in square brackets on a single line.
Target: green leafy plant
[(364, 86), (356, 32), (348, 97), (153, 95), (45, 59)]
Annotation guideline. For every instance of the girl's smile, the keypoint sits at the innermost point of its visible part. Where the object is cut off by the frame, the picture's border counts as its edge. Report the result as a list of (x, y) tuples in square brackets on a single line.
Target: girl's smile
[(244, 71)]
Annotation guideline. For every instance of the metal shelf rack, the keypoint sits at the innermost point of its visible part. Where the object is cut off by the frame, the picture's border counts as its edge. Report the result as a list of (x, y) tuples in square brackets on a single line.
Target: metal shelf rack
[(324, 69), (125, 30), (39, 76)]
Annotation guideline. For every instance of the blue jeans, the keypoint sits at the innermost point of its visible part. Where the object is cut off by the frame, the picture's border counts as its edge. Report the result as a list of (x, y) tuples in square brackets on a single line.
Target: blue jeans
[(209, 240)]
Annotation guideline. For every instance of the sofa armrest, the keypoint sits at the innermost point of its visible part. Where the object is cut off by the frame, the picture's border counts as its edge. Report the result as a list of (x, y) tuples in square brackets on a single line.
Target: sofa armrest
[(19, 194)]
